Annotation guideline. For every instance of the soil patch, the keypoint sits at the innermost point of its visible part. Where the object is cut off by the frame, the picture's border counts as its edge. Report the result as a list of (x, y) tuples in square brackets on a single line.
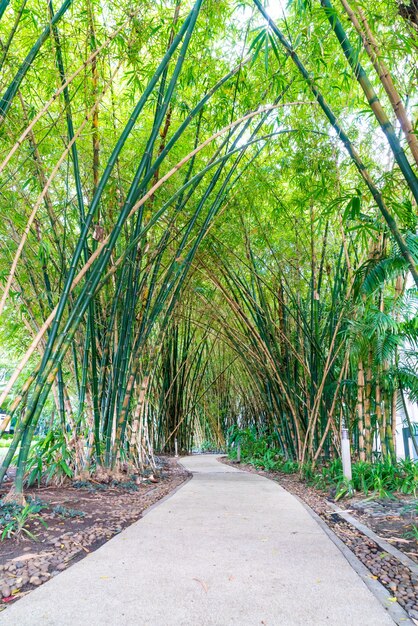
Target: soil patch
[(79, 518), (390, 519)]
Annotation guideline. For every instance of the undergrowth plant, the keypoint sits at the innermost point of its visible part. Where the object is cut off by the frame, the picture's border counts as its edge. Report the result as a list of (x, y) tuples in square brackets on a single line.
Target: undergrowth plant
[(381, 478), (15, 519), (49, 459)]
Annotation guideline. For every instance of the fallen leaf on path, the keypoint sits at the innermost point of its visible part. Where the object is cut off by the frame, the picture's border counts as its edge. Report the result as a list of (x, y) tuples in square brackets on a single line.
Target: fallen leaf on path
[(201, 582)]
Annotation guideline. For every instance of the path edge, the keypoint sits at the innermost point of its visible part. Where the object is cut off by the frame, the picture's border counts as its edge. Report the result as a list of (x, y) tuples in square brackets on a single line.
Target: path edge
[(387, 547), (394, 609), (166, 497)]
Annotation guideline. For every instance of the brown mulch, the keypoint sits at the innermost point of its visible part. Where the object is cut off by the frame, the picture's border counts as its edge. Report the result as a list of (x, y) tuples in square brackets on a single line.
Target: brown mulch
[(78, 521), (400, 581)]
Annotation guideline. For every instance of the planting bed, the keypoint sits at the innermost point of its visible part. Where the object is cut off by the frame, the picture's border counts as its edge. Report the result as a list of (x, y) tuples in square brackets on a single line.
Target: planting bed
[(78, 519), (400, 580)]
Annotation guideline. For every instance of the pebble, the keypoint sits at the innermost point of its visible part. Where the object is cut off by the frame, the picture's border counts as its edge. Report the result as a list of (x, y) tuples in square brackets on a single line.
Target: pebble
[(35, 569), (398, 578)]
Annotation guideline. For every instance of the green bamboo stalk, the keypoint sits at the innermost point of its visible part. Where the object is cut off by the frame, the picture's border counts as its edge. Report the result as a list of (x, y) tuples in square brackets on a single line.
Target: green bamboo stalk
[(45, 379), (372, 98), (3, 6), (393, 227), (12, 90), (13, 31), (103, 181)]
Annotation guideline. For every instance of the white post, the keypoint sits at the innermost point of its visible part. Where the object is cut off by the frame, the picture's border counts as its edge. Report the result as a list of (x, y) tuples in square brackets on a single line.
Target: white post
[(239, 452), (176, 452), (346, 454)]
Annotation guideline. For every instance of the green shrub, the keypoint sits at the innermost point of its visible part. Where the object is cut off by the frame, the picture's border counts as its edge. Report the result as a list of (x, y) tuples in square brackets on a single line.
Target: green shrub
[(63, 511), (381, 477), (14, 520)]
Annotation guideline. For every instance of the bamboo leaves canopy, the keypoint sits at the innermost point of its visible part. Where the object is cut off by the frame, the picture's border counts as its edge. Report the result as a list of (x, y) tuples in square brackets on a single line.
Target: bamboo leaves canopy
[(209, 220)]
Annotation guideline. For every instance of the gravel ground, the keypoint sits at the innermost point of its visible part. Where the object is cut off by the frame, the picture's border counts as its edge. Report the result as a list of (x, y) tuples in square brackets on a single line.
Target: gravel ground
[(93, 514)]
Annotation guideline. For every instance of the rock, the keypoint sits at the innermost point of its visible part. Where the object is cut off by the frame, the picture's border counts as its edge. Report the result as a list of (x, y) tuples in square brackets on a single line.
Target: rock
[(35, 580), (6, 591), (61, 566)]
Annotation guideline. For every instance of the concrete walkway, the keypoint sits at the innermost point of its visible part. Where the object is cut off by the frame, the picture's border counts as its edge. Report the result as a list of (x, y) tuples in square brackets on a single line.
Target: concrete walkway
[(227, 548)]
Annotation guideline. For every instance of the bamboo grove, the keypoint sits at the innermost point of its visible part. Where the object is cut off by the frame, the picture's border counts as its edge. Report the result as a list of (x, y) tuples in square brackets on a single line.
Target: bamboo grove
[(209, 219)]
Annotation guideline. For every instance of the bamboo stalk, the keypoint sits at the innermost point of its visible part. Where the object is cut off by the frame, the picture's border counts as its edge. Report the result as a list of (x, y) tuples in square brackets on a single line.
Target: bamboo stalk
[(372, 48), (376, 194)]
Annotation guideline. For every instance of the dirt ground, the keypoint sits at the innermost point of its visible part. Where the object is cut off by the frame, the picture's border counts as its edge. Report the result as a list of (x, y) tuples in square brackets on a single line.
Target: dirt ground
[(76, 519), (392, 519)]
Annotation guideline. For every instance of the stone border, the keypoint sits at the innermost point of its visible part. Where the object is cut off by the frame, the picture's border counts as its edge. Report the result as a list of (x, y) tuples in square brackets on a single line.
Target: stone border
[(166, 497), (394, 609), (386, 546)]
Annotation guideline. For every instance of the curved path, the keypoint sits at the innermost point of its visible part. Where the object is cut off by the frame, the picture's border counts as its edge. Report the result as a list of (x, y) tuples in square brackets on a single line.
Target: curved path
[(227, 548)]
